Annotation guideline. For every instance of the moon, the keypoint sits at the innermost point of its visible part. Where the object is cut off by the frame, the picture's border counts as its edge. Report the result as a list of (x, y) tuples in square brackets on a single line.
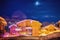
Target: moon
[(37, 3)]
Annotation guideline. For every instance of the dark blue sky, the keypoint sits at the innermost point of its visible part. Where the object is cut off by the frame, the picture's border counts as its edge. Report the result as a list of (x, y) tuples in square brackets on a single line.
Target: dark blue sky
[(47, 10)]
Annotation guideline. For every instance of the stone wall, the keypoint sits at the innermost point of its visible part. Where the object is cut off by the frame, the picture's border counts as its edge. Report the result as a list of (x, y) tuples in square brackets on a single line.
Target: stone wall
[(54, 36)]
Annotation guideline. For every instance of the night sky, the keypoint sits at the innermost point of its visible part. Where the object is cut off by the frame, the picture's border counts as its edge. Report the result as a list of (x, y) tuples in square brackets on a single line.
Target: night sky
[(41, 10)]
